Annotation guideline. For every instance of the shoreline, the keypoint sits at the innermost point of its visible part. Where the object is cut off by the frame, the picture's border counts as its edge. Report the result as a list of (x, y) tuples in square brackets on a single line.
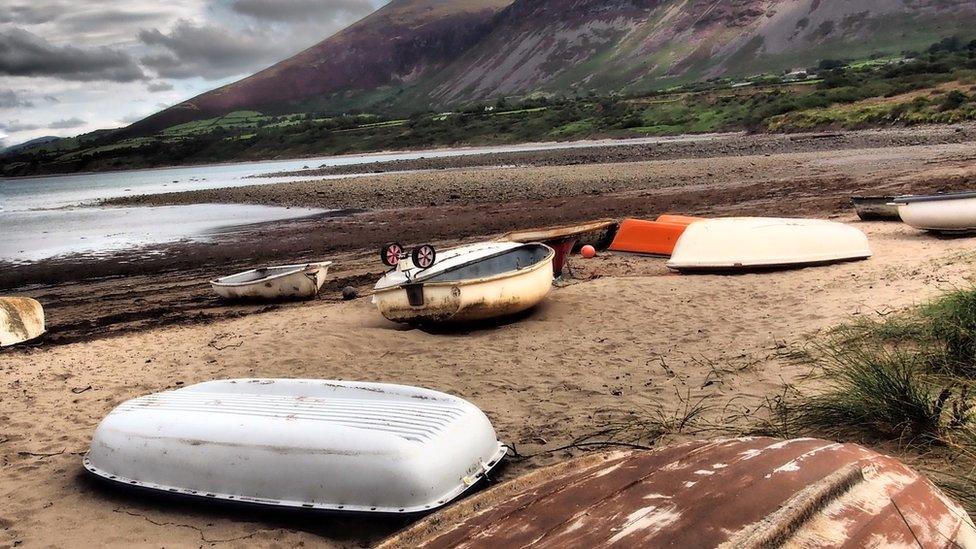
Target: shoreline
[(89, 298)]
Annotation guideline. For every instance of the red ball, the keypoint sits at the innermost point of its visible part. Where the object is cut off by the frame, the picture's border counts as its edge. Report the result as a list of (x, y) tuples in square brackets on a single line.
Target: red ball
[(588, 251)]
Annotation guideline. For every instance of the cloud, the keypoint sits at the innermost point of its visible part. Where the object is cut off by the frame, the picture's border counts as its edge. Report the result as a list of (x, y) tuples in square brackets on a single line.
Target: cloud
[(207, 51), (159, 86), (302, 10), (9, 99), (15, 126), (25, 54), (66, 124)]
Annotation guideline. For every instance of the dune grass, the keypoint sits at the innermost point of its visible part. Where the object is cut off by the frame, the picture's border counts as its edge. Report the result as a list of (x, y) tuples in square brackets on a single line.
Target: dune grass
[(907, 381)]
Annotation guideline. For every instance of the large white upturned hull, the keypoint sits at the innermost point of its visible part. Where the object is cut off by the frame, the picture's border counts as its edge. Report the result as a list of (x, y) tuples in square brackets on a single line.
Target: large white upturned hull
[(756, 242), (306, 444), (21, 319), (940, 214), (287, 282)]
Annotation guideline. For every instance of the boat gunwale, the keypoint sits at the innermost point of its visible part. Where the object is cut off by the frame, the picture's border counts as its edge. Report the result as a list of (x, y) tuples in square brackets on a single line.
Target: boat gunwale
[(557, 232), (915, 199), (444, 500), (295, 269), (469, 282)]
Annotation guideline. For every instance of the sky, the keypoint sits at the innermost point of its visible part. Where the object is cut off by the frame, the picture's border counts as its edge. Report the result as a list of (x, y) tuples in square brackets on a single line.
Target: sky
[(72, 66)]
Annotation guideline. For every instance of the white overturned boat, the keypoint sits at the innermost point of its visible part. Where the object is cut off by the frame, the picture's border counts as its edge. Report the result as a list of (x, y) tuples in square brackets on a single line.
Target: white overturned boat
[(270, 283), (21, 320), (944, 213), (763, 242), (310, 444), (476, 282)]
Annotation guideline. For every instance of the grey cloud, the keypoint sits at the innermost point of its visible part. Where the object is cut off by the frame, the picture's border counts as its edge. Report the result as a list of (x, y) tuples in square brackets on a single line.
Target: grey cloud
[(9, 99), (66, 124), (33, 13), (159, 86), (15, 126), (302, 10), (51, 99), (132, 118), (206, 51), (25, 54)]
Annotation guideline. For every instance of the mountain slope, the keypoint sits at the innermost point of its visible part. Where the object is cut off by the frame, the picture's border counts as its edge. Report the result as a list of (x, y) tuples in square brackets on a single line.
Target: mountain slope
[(419, 54), (607, 45), (397, 45)]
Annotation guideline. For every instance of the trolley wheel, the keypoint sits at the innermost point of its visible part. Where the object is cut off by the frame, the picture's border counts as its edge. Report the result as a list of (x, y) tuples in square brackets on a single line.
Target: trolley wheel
[(424, 256), (390, 254)]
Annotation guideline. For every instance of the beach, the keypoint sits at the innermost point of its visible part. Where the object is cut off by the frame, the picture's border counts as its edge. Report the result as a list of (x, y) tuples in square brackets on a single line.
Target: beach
[(622, 337)]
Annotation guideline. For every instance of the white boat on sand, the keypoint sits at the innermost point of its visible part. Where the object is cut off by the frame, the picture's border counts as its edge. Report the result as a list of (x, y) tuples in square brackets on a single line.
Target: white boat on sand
[(737, 243), (270, 283), (944, 213), (306, 444), (470, 283), (21, 320)]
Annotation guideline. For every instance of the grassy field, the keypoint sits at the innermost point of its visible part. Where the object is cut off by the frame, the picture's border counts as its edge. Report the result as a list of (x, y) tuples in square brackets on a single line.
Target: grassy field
[(934, 86)]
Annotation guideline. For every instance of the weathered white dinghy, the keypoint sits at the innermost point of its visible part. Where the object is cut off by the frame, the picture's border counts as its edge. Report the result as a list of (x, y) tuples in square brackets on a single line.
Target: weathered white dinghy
[(284, 282), (763, 242), (876, 208), (311, 444), (943, 213), (21, 319), (476, 282)]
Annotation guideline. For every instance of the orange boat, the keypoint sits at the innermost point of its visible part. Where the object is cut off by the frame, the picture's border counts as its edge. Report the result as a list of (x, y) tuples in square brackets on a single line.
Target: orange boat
[(647, 237), (678, 219)]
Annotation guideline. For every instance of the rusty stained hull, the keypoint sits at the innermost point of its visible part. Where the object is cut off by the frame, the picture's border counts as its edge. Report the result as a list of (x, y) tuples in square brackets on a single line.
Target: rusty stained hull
[(751, 492), (470, 300), (21, 320), (282, 283)]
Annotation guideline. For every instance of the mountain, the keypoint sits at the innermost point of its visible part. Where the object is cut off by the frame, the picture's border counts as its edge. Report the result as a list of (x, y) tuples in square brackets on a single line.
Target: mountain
[(419, 54), (28, 144)]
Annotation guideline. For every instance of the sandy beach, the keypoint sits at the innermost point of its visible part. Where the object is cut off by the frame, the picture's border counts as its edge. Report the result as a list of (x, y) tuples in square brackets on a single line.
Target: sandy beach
[(626, 337), (622, 337)]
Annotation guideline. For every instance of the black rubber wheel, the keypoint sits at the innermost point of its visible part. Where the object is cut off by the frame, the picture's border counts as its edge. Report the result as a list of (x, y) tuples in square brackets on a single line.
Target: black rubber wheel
[(423, 256), (390, 254)]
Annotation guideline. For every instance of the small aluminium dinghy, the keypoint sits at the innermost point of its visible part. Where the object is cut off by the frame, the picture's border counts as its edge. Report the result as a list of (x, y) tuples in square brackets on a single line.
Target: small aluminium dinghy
[(21, 320), (476, 282), (737, 243), (942, 213), (876, 208), (269, 283), (305, 444)]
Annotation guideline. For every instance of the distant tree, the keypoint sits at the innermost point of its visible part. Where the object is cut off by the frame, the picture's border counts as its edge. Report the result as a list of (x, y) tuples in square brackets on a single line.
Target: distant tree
[(830, 64), (953, 100), (949, 44)]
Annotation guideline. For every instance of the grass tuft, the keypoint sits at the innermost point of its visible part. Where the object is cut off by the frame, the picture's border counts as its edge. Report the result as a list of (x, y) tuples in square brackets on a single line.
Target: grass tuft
[(875, 394)]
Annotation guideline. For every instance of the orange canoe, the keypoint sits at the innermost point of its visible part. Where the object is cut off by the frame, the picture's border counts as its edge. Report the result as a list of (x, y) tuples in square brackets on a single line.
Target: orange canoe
[(647, 237), (678, 219)]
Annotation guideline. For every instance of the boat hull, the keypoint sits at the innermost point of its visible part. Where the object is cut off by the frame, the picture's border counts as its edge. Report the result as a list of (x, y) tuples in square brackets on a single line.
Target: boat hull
[(744, 243), (309, 444), (21, 320), (876, 208), (648, 237), (468, 300), (940, 215), (303, 282), (750, 492)]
